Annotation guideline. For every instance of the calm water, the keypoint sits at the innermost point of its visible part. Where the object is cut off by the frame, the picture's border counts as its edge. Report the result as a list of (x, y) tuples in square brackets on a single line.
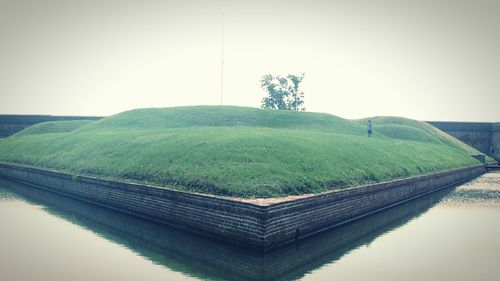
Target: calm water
[(453, 234)]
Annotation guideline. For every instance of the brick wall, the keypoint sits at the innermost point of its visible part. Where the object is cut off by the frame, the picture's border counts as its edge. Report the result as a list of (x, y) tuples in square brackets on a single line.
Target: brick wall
[(239, 222)]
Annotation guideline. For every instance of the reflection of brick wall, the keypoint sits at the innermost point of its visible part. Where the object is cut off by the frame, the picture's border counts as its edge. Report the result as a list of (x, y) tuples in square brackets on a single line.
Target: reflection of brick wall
[(245, 223), (484, 137), (168, 246), (11, 124)]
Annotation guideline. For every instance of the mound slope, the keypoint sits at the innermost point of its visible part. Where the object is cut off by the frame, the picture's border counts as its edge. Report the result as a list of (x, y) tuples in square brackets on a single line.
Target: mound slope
[(238, 151)]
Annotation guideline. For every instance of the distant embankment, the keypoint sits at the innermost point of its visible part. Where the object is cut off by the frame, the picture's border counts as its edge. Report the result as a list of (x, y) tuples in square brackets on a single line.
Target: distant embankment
[(484, 137), (11, 124)]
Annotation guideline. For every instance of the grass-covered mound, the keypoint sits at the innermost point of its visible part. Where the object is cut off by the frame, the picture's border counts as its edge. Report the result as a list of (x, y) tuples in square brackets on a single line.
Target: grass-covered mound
[(237, 151), (54, 127)]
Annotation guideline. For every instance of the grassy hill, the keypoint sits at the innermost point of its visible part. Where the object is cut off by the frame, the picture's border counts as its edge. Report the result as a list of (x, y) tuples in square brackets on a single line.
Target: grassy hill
[(238, 151), (54, 127)]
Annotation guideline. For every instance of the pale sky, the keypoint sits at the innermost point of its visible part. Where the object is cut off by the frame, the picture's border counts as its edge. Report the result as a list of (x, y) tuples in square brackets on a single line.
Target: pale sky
[(426, 60)]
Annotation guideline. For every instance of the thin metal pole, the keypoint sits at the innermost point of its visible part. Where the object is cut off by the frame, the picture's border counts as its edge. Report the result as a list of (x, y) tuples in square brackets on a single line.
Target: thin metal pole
[(222, 64)]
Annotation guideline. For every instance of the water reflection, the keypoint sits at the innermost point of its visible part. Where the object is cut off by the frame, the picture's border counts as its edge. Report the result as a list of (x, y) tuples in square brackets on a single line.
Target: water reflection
[(6, 194), (207, 259), (480, 193), (456, 239)]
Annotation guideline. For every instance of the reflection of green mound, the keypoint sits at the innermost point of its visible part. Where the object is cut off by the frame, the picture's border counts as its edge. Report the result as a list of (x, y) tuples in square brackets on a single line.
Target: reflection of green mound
[(238, 151)]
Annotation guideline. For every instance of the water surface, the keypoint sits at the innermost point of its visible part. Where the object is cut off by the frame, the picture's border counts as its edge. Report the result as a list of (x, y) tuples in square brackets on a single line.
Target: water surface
[(453, 234)]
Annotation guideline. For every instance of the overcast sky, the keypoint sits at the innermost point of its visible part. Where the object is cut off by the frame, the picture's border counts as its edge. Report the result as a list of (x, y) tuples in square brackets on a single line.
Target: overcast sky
[(426, 60)]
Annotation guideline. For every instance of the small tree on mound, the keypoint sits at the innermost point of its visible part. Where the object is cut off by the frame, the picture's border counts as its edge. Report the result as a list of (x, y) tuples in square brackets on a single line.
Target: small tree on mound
[(283, 93)]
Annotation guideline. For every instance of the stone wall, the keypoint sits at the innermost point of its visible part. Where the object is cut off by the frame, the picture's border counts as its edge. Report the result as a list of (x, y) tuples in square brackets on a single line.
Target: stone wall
[(247, 224), (484, 137), (495, 141), (11, 124)]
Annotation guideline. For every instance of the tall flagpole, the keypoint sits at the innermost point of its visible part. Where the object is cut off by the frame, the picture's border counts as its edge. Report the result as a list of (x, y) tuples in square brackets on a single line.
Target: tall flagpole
[(222, 63)]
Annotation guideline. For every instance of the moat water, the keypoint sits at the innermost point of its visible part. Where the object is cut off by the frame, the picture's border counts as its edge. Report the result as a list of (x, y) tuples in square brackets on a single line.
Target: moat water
[(452, 234)]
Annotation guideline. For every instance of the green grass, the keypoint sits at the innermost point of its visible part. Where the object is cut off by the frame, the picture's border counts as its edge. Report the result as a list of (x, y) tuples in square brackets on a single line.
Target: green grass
[(237, 151), (54, 127)]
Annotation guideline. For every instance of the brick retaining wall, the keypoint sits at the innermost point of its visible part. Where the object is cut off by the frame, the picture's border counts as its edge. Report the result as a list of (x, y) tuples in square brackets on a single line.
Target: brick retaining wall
[(248, 224)]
